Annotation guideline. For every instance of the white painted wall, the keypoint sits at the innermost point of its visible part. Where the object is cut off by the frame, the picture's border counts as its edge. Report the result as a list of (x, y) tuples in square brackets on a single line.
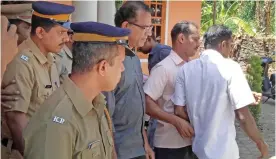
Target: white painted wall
[(106, 12), (98, 11), (84, 11)]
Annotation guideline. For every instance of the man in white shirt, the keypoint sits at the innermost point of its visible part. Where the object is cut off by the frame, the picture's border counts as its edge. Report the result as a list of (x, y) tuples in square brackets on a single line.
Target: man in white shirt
[(214, 90), (172, 139)]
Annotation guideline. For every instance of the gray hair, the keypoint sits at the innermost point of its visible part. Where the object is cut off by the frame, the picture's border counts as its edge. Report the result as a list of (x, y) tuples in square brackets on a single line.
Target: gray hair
[(86, 55)]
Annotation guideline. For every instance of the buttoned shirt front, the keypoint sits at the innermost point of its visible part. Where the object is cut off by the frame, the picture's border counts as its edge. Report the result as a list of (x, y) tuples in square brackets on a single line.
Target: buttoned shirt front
[(160, 87)]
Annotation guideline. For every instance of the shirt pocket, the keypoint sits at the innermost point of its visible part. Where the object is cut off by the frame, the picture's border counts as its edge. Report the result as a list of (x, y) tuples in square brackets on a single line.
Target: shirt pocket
[(93, 151)]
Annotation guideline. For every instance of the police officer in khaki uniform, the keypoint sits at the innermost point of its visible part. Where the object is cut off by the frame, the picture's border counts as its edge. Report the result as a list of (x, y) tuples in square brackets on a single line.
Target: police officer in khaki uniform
[(74, 122), (64, 58), (34, 71), (64, 61), (19, 15)]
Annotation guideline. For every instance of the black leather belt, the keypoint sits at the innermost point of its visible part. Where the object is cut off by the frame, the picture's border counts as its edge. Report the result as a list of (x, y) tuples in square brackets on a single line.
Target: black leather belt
[(5, 141)]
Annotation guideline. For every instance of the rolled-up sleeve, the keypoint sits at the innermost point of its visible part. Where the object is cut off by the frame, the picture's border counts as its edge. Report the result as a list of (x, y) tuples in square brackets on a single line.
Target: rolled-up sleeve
[(179, 96)]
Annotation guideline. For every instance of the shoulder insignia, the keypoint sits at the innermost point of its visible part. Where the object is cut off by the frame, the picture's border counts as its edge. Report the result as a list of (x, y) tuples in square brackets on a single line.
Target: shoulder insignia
[(24, 57), (58, 120)]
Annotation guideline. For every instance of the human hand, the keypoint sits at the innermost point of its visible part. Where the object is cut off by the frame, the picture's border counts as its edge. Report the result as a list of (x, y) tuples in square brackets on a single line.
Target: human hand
[(258, 97), (8, 42), (184, 128), (7, 95)]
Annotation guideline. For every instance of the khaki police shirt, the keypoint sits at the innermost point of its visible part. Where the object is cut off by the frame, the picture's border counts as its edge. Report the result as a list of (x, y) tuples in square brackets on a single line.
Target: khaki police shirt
[(69, 126), (36, 78), (64, 61)]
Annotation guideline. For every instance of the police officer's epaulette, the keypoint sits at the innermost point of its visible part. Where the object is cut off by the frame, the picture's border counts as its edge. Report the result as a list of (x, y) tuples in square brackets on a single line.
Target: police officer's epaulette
[(25, 54), (24, 58)]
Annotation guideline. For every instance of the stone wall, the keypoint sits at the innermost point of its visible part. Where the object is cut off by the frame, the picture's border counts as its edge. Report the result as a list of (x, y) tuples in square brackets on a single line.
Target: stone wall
[(246, 46)]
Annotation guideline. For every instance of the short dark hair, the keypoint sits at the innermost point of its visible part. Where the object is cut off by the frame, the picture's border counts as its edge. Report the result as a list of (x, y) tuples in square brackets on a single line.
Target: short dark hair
[(15, 21), (128, 11), (41, 22), (86, 55), (215, 35), (183, 27)]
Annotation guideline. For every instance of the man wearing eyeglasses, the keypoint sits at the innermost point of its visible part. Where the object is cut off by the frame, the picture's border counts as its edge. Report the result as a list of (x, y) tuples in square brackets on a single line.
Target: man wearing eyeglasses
[(34, 71), (126, 103)]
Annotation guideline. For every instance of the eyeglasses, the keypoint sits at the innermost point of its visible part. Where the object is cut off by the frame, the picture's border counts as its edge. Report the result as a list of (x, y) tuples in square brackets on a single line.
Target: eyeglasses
[(145, 27)]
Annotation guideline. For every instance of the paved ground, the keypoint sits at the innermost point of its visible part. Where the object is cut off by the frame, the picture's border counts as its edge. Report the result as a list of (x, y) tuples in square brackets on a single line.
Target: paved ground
[(247, 148)]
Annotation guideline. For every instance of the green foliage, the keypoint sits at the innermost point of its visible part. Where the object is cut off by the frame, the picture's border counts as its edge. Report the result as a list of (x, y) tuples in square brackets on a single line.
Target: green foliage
[(226, 14), (118, 4), (273, 22), (237, 15), (254, 77)]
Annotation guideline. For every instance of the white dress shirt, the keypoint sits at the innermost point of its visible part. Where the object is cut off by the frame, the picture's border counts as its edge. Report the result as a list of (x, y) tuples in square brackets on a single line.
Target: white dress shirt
[(213, 87)]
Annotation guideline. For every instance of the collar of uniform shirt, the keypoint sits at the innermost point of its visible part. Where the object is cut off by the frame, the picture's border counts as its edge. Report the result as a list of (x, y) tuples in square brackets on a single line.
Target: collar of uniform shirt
[(67, 51), (36, 51)]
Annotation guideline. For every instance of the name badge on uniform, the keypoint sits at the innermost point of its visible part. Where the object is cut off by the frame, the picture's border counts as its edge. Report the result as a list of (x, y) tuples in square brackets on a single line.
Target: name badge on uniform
[(58, 120)]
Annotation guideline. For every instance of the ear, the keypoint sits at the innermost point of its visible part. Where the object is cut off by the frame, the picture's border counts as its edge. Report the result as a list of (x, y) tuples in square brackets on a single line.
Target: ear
[(102, 67), (125, 24), (223, 43), (181, 38), (39, 31)]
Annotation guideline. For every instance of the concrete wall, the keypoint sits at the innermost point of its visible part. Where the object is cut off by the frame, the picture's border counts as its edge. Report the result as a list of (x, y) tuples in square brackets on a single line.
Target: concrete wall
[(100, 11), (182, 10)]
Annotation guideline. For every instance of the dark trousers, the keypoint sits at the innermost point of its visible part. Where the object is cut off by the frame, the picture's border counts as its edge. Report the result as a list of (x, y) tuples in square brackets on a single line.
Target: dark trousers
[(179, 153), (140, 157)]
